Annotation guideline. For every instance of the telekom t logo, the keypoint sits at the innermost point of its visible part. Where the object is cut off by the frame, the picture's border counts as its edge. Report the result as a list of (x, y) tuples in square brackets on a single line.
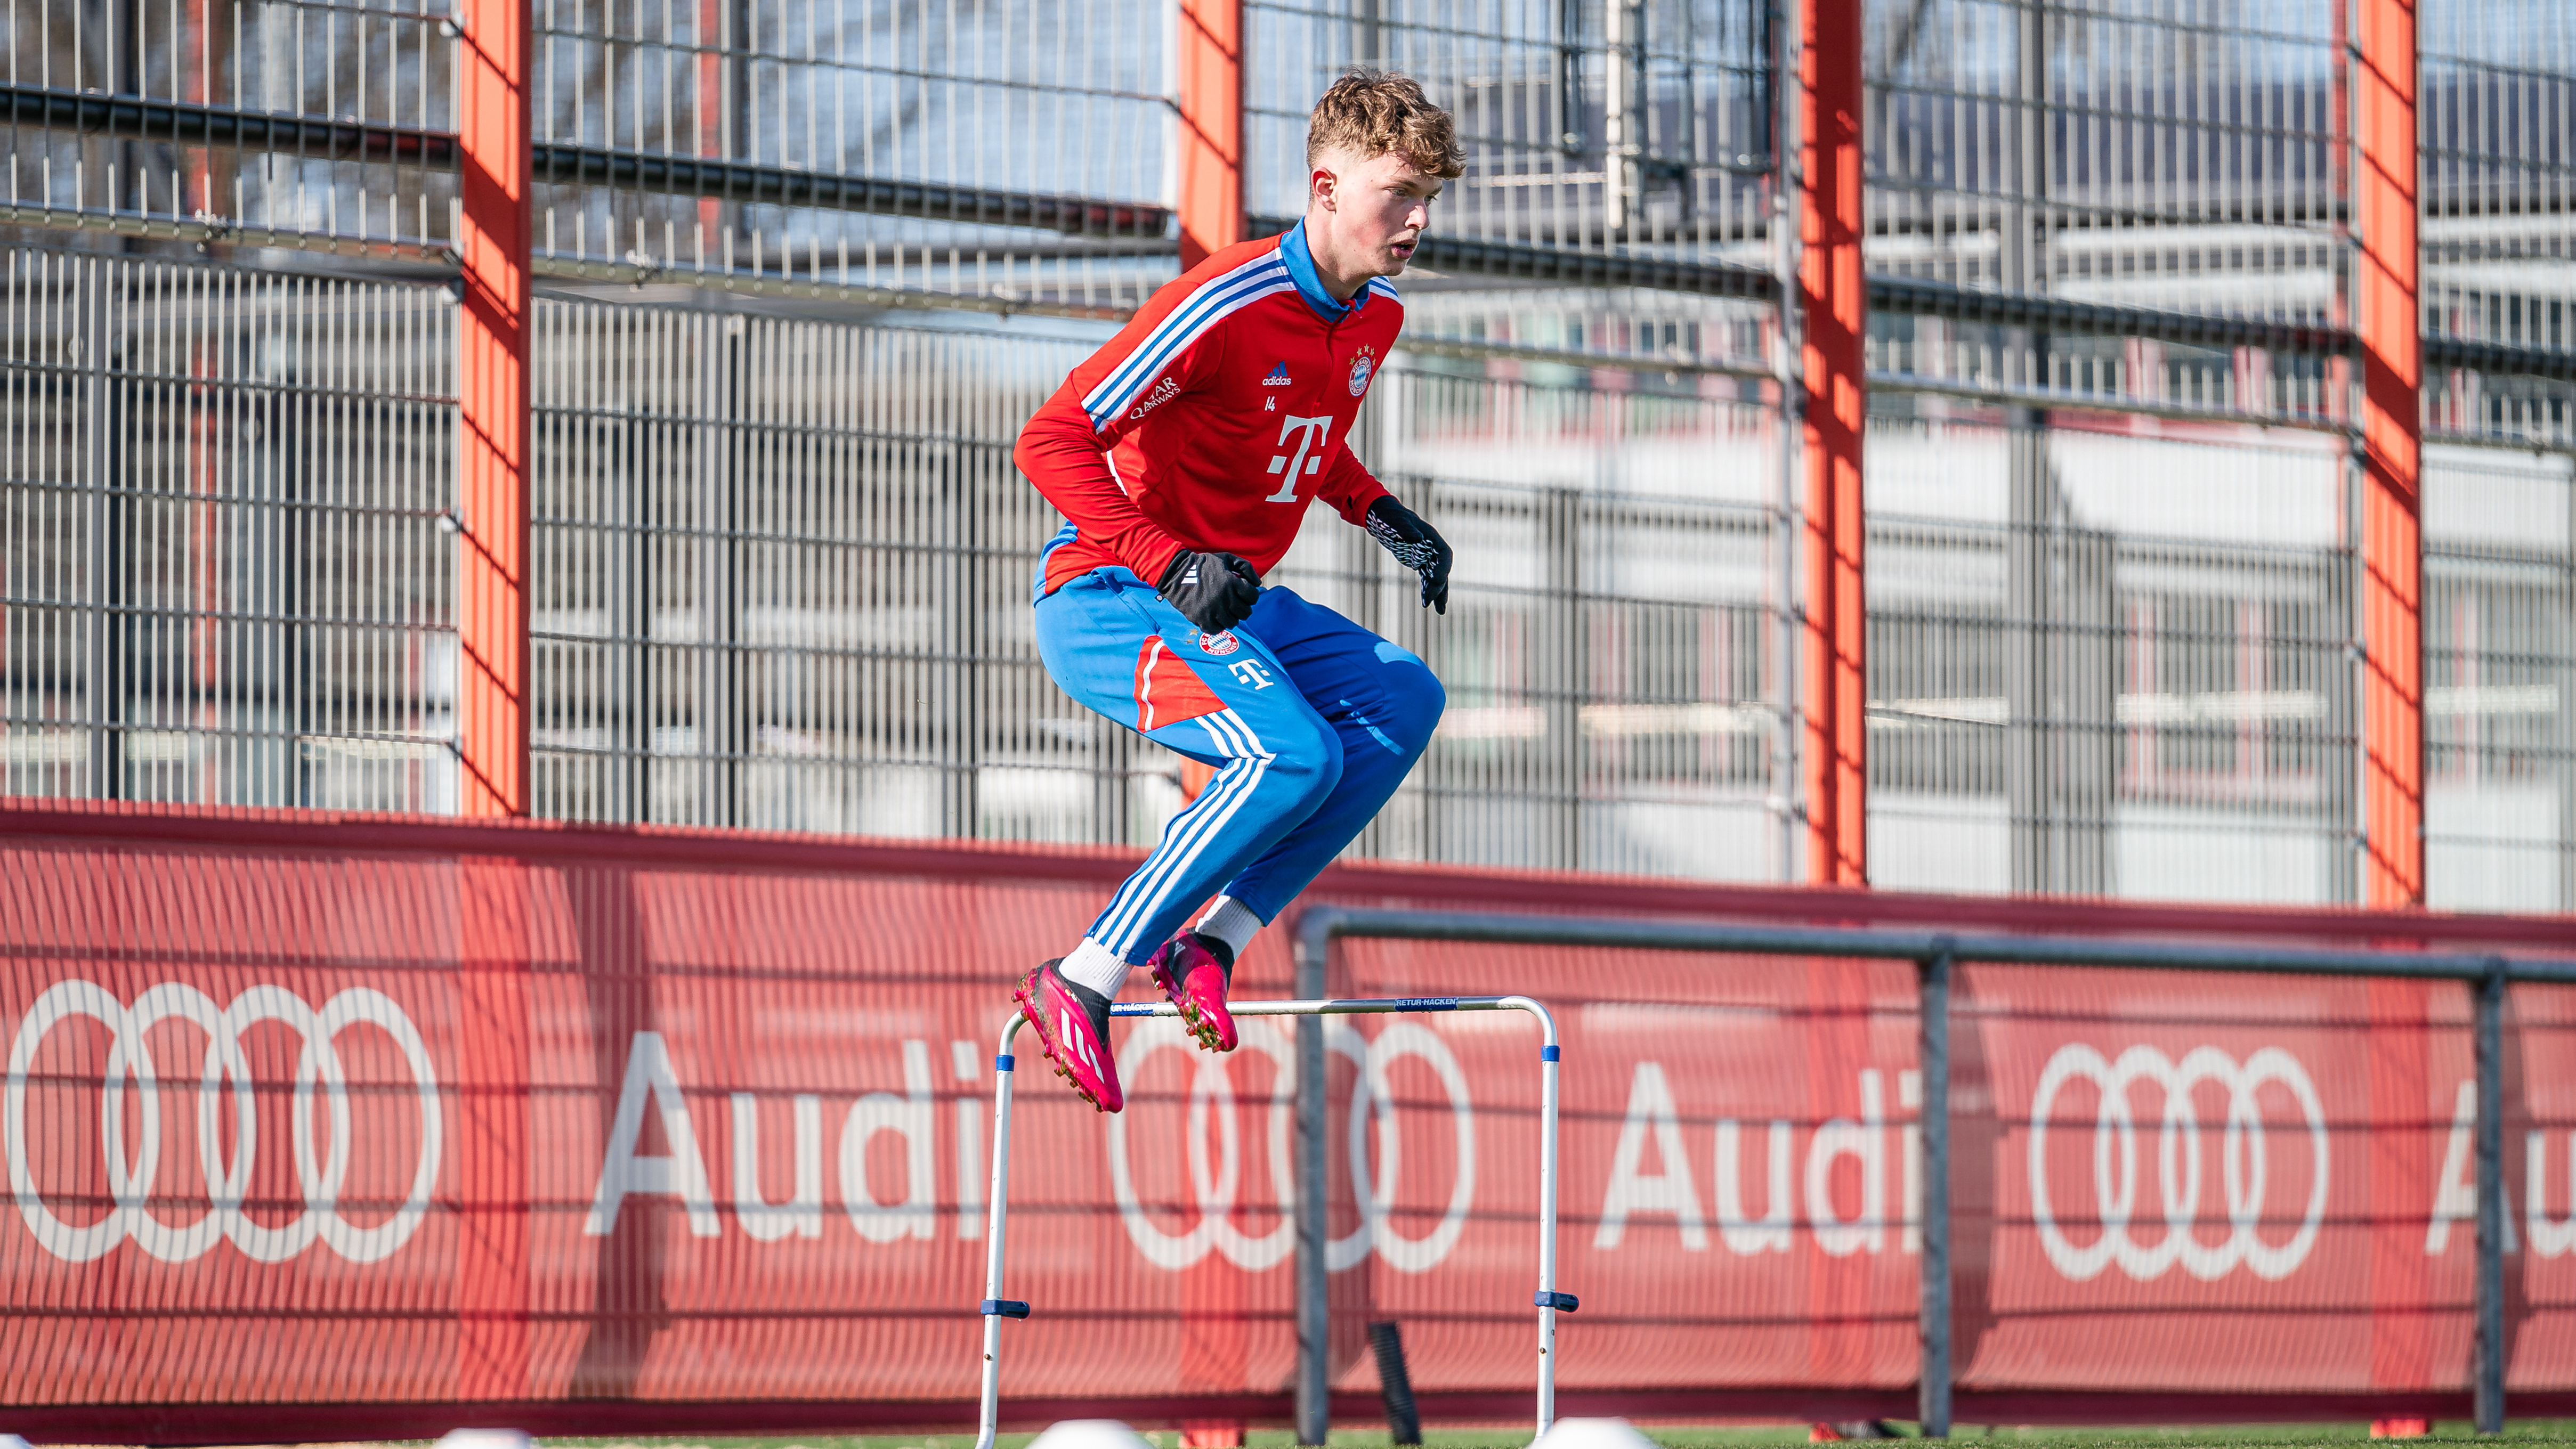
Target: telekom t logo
[(1309, 457)]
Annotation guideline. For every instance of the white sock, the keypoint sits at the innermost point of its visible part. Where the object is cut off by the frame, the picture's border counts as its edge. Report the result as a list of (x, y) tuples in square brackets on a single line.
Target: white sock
[(1230, 921), (1092, 965)]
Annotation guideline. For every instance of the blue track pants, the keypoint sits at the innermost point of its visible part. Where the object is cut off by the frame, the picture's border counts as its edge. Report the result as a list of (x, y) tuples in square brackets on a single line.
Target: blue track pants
[(1309, 720)]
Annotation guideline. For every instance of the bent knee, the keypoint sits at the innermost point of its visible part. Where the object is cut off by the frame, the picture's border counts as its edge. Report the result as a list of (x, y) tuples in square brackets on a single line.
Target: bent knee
[(1428, 699), (1302, 750), (1306, 761)]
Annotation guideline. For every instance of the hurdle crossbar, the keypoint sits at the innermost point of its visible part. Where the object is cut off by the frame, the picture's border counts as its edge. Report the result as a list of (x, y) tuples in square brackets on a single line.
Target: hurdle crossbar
[(1548, 1301)]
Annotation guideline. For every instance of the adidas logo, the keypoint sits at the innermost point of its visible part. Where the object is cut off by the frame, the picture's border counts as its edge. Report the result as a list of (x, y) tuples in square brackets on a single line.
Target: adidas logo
[(1278, 376), (1079, 1041)]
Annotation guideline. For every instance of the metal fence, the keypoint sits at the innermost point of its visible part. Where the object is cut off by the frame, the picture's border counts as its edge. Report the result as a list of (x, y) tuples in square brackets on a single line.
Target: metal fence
[(228, 580), (2182, 150), (1006, 103), (830, 548), (784, 574), (782, 571), (2137, 680), (2133, 623), (2499, 162), (1947, 964), (1636, 124), (781, 555), (2500, 666), (1613, 642), (307, 123)]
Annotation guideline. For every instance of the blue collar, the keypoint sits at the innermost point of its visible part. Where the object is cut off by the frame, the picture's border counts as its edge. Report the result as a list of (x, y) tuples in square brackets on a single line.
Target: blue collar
[(1310, 283)]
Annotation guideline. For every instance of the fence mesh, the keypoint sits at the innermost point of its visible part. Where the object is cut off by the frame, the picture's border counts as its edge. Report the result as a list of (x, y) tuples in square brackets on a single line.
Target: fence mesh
[(2136, 679), (2499, 173), (1612, 647), (781, 557), (788, 564), (2500, 671), (1617, 126), (2181, 153), (995, 107), (228, 579), (787, 571), (307, 122)]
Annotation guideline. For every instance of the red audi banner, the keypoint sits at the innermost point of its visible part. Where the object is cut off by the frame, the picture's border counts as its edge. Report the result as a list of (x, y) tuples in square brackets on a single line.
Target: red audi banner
[(333, 1130)]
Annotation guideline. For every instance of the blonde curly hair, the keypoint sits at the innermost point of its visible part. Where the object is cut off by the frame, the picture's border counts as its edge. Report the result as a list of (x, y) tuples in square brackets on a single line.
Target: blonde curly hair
[(1370, 113)]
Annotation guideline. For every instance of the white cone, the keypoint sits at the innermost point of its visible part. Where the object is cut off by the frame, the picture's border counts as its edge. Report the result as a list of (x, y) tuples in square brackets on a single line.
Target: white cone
[(1089, 1434), (486, 1439), (1594, 1434)]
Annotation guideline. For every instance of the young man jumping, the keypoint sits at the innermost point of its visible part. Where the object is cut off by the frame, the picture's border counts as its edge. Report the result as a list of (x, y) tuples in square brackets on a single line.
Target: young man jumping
[(1185, 453)]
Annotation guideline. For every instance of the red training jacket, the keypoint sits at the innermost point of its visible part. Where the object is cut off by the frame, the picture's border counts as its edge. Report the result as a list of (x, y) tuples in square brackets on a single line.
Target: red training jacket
[(1214, 417)]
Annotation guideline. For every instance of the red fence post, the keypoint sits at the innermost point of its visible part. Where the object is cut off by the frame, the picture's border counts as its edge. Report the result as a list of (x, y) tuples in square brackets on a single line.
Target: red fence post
[(1833, 294), (1210, 70), (492, 409), (2389, 316), (493, 1187), (712, 139)]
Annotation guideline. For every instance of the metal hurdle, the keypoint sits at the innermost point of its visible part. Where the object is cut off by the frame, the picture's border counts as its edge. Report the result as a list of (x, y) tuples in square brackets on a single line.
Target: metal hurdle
[(1548, 1301)]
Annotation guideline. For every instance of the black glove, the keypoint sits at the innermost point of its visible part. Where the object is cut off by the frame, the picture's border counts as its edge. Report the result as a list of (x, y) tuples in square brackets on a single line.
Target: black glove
[(1416, 545), (1215, 591)]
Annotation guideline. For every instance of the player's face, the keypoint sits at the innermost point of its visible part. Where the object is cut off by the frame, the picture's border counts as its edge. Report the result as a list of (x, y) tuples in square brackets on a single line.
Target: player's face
[(1382, 206)]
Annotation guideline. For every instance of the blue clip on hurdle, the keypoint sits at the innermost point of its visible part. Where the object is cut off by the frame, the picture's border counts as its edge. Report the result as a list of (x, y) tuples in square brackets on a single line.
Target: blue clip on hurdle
[(1549, 1302)]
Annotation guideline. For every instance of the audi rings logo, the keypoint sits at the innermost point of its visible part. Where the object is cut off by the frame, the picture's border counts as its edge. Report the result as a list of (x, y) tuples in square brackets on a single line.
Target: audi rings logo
[(131, 1179), (2244, 1162), (1214, 1186)]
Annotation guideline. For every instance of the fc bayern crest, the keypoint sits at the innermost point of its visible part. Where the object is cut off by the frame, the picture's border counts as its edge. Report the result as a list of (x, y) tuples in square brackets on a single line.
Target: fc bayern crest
[(1220, 644), (1361, 366)]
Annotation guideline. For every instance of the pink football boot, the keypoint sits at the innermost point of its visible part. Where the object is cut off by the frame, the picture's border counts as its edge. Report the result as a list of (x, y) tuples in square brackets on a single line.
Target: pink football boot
[(1072, 1022), (1195, 972)]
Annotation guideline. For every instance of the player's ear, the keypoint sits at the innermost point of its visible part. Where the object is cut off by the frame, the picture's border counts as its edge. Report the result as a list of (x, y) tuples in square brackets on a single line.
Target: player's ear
[(1321, 185)]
